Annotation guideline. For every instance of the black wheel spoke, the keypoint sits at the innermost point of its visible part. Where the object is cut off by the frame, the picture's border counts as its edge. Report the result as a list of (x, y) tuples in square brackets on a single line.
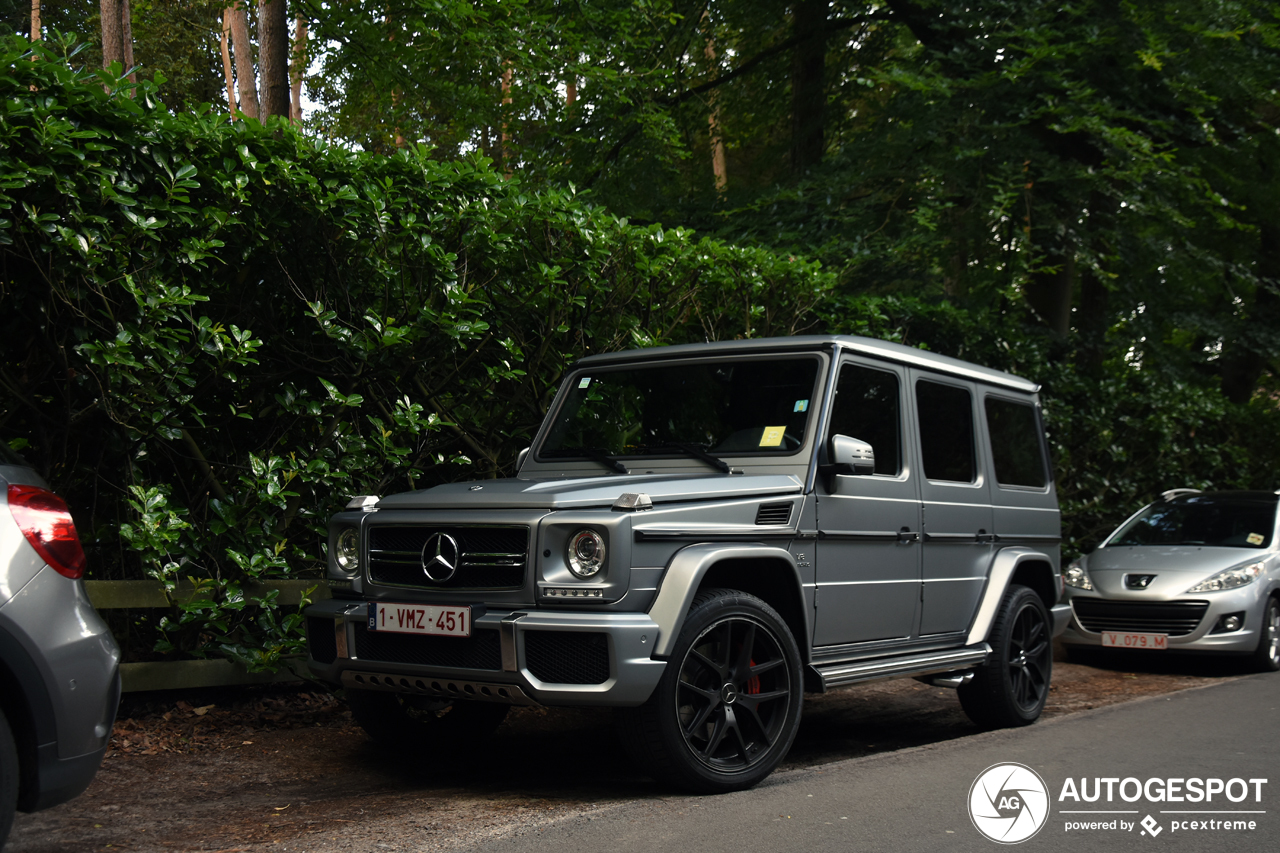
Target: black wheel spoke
[(761, 668), (698, 657), (742, 667), (699, 719)]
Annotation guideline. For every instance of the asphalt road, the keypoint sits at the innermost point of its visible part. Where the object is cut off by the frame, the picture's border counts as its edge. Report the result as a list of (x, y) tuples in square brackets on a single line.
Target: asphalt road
[(918, 799)]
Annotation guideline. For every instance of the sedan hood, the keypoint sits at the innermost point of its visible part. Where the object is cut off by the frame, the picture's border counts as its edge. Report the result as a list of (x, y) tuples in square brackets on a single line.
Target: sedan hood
[(584, 492), (1177, 568)]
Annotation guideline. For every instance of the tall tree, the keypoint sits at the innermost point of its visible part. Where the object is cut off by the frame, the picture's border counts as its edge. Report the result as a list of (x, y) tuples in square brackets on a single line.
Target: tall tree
[(273, 57), (808, 84), (242, 48)]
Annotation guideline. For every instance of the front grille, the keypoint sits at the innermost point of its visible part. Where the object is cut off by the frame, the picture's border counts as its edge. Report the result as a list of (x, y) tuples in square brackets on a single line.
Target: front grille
[(321, 639), (779, 513), (491, 557), (567, 657), (1175, 618), (479, 651)]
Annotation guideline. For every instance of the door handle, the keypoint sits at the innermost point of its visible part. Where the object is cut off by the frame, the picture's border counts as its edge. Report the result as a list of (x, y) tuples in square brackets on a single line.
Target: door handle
[(905, 536)]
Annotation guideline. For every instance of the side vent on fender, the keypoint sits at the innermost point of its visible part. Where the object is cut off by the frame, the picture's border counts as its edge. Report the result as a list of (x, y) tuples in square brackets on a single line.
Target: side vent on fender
[(779, 513)]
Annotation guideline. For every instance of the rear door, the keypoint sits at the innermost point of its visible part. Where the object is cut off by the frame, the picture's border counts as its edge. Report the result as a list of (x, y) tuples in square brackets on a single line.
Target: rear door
[(958, 522), (1022, 491)]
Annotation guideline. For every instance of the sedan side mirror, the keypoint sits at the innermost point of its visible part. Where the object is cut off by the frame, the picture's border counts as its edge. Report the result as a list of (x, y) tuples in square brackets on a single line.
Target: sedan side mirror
[(851, 456)]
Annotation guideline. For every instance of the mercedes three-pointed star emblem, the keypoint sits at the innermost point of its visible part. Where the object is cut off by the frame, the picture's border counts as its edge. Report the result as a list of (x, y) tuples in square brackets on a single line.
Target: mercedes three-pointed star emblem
[(440, 557)]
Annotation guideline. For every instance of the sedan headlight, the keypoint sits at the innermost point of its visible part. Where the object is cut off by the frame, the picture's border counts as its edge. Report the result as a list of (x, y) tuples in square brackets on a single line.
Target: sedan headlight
[(586, 553), (1230, 578), (347, 552), (1075, 575)]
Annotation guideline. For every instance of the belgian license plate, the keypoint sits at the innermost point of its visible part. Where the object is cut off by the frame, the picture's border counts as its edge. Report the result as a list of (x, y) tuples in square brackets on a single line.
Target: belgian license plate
[(1120, 640), (420, 619)]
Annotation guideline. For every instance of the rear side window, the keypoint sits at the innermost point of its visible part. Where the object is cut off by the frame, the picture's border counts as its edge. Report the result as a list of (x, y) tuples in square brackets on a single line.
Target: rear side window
[(946, 431), (867, 408), (1016, 448)]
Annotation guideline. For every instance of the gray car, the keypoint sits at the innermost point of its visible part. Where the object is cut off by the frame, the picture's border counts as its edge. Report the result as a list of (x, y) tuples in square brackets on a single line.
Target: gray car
[(700, 535), (1192, 572), (59, 666)]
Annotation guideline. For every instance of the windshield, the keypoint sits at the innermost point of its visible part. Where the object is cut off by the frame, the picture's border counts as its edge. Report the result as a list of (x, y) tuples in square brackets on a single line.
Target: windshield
[(1231, 522), (735, 406)]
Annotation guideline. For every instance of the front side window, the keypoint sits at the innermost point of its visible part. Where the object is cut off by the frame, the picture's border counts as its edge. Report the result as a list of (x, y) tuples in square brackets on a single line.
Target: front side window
[(867, 408), (946, 432), (730, 407), (1210, 520), (1016, 450)]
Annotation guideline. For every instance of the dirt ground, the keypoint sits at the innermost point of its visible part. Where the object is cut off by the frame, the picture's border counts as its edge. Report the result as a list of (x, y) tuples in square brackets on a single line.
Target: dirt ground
[(286, 769)]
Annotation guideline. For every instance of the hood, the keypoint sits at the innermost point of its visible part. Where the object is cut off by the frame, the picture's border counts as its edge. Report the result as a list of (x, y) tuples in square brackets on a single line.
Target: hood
[(586, 492), (1177, 568)]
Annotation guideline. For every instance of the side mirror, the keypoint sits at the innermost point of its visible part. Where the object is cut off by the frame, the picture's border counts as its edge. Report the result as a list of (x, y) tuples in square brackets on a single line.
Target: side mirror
[(520, 457), (851, 456)]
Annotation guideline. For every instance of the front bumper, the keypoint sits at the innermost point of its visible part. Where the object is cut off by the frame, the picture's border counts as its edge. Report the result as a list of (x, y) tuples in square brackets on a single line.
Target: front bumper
[(518, 657), (1248, 600)]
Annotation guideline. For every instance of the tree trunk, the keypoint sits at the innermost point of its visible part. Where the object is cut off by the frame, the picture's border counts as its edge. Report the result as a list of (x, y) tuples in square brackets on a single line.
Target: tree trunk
[(226, 61), (35, 20), (718, 169), (299, 69), (506, 103), (112, 33), (243, 50), (273, 57), (126, 39), (570, 91), (808, 84)]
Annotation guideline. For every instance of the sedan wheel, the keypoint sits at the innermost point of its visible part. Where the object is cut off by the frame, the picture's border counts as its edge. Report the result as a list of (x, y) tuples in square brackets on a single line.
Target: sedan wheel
[(1266, 657)]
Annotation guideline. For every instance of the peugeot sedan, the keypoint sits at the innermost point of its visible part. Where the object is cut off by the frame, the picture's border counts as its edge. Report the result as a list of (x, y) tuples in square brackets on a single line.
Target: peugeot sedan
[(1192, 572)]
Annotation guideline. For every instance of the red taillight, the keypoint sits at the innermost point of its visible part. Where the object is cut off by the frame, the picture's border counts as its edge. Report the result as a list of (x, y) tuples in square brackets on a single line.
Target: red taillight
[(44, 519)]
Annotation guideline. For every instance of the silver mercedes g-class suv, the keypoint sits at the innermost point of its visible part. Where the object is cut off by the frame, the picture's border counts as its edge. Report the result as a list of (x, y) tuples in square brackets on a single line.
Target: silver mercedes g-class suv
[(699, 535)]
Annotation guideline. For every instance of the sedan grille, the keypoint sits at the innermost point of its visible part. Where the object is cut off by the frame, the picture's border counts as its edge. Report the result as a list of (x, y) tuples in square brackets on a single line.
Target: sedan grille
[(490, 557), (1175, 618)]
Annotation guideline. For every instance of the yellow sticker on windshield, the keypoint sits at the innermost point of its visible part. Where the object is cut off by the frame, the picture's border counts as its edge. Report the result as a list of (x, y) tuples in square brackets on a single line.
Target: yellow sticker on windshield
[(772, 436), (1255, 538)]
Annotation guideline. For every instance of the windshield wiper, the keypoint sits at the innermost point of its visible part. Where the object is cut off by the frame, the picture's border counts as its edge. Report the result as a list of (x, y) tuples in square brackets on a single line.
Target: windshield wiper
[(698, 453), (595, 454)]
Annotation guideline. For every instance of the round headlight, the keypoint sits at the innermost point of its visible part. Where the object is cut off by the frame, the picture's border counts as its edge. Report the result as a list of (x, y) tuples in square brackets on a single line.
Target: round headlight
[(1075, 575), (586, 553), (347, 552)]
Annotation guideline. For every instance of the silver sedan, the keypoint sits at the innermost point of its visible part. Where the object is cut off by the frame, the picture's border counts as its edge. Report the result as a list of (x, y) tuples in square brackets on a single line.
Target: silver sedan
[(1195, 572)]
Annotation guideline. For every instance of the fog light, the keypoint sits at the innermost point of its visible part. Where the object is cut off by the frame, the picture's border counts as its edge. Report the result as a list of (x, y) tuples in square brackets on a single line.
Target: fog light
[(1228, 623)]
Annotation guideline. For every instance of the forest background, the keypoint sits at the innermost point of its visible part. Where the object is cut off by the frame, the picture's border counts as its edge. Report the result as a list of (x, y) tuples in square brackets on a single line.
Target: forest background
[(222, 317)]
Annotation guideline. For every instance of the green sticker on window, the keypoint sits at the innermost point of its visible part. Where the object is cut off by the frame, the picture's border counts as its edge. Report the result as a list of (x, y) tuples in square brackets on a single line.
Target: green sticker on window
[(801, 406), (584, 382)]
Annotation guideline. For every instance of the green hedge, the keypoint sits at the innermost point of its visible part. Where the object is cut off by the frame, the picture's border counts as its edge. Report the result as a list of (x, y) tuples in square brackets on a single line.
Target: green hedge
[(215, 333)]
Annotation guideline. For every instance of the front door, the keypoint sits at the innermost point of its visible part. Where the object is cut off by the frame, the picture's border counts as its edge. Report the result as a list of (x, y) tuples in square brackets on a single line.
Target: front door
[(868, 550)]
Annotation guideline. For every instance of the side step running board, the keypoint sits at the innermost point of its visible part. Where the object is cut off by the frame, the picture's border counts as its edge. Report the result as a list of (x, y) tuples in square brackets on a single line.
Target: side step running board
[(851, 672)]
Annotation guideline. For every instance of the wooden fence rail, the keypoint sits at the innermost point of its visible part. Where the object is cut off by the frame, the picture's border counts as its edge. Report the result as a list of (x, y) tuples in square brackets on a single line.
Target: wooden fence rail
[(173, 675)]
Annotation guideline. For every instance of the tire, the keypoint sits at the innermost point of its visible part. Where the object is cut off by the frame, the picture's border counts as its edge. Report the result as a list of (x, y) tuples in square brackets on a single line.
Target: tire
[(1010, 689), (1266, 658), (422, 724), (727, 707), (8, 779)]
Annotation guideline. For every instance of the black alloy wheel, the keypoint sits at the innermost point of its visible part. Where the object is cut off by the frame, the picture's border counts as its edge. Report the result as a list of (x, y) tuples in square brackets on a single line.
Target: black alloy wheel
[(728, 706), (732, 695), (1010, 689)]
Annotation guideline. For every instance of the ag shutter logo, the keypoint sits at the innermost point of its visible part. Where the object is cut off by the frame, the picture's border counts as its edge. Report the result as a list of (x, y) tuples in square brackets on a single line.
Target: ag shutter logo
[(1008, 803)]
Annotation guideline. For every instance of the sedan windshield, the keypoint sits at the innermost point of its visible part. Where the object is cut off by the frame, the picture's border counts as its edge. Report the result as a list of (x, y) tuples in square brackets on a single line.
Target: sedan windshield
[(1211, 520), (700, 409)]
